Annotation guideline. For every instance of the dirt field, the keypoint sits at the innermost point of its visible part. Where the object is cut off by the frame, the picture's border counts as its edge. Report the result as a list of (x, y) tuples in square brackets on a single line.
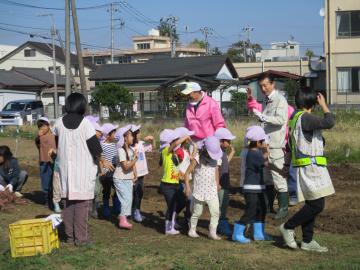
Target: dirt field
[(146, 247)]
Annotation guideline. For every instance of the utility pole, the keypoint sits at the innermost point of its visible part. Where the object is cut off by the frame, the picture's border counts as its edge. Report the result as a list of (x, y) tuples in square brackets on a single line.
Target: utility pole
[(53, 36), (207, 31), (247, 30), (113, 8), (78, 50), (67, 48), (171, 22)]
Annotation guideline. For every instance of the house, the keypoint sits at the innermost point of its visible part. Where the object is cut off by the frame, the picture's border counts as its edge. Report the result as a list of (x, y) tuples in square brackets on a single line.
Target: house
[(33, 54), (144, 48), (280, 79), (152, 82), (31, 83), (15, 86), (280, 51), (342, 49), (5, 49)]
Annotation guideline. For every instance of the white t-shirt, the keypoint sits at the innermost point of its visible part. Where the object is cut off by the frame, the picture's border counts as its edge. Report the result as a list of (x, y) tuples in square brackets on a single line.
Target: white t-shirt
[(119, 172)]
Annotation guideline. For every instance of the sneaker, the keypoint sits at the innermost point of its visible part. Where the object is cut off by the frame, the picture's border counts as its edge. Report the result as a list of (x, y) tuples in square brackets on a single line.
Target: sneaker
[(137, 217), (288, 236), (293, 202), (313, 246), (18, 194), (193, 234)]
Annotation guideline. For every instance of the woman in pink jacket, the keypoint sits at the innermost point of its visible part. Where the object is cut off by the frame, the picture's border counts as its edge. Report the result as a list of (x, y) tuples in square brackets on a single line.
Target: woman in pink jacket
[(203, 114)]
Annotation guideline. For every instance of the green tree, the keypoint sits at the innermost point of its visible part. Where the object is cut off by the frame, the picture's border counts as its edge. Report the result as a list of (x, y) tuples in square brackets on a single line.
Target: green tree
[(114, 96), (309, 53), (198, 43), (291, 86), (240, 51), (216, 51), (165, 30)]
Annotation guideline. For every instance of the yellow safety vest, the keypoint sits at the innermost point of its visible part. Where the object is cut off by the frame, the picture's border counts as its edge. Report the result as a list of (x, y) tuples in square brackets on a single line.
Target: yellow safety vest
[(303, 161)]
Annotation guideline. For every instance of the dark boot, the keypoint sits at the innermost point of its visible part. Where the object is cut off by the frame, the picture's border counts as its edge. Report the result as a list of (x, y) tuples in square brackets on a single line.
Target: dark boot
[(283, 199), (270, 196)]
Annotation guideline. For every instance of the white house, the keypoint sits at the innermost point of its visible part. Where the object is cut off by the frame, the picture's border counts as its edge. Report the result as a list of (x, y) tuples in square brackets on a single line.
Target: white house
[(5, 49), (39, 55), (280, 51)]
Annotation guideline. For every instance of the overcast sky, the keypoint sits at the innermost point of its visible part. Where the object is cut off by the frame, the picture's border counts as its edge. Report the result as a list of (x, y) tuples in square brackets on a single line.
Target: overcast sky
[(275, 20)]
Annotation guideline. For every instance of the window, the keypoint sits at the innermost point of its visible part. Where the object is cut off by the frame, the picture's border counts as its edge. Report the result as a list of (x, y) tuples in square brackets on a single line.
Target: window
[(348, 24), (143, 46), (58, 70), (348, 80), (99, 61), (124, 59), (29, 53), (292, 47)]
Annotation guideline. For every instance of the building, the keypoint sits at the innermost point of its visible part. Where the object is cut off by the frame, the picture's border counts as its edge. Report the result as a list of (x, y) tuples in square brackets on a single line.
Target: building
[(299, 67), (153, 82), (280, 79), (5, 49), (31, 83), (39, 55), (144, 48), (342, 49), (280, 51)]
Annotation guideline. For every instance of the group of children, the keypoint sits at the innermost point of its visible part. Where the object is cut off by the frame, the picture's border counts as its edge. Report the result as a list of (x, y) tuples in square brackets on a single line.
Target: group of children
[(196, 174)]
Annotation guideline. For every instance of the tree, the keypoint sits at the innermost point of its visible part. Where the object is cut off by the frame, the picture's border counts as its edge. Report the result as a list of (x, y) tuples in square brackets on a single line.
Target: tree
[(112, 95), (291, 86), (165, 29), (216, 51), (198, 43), (309, 53), (240, 51)]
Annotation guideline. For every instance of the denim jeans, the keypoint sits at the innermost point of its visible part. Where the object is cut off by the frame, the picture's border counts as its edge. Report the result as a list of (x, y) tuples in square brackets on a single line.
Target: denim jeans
[(138, 193), (46, 176), (174, 197), (292, 184), (23, 176)]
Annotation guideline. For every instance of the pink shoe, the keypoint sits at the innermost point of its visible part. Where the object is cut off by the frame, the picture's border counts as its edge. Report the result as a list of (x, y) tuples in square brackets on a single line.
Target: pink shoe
[(124, 224)]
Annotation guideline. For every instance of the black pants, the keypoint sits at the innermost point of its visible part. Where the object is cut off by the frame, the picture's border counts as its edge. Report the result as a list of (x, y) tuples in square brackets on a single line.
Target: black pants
[(306, 218), (107, 183), (138, 192), (174, 197), (255, 209)]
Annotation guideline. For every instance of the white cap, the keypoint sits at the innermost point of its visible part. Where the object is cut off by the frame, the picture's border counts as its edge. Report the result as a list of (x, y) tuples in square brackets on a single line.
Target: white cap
[(190, 87)]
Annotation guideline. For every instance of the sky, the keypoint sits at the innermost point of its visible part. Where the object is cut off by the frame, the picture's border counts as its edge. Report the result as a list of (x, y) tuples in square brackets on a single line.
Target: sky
[(272, 20)]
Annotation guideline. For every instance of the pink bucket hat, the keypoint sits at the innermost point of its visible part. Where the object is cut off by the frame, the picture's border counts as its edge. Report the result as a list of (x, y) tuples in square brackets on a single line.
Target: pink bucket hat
[(256, 133), (167, 136), (224, 134), (212, 145), (119, 135), (107, 128), (92, 118), (135, 127), (44, 119), (183, 131)]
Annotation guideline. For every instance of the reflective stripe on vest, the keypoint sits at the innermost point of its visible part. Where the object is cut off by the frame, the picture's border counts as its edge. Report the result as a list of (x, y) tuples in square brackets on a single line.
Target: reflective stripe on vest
[(303, 161)]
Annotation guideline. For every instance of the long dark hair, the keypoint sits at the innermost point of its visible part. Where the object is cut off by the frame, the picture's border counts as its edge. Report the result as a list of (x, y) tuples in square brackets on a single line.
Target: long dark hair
[(204, 157), (135, 140), (124, 147), (6, 154)]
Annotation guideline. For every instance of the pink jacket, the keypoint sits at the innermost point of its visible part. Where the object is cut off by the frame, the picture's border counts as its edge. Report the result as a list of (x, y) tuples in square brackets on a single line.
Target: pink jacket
[(253, 104), (206, 120)]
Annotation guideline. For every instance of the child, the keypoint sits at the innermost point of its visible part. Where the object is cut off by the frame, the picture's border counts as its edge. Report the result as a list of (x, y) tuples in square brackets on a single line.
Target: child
[(170, 186), (125, 175), (206, 185), (225, 137), (141, 167), (254, 188), (12, 178), (314, 182), (184, 155), (110, 153), (45, 142)]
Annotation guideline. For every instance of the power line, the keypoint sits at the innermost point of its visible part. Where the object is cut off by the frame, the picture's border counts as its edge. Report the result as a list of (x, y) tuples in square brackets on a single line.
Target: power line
[(13, 3), (42, 28)]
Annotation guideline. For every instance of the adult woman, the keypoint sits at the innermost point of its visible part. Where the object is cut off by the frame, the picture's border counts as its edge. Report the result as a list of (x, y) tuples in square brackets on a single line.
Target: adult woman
[(79, 152)]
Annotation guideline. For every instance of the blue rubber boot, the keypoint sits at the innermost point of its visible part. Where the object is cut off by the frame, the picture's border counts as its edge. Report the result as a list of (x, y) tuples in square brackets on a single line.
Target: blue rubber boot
[(259, 232), (106, 209), (224, 227), (116, 205), (238, 234)]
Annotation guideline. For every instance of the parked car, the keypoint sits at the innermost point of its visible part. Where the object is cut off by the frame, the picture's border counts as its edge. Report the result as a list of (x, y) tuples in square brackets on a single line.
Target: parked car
[(22, 108)]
